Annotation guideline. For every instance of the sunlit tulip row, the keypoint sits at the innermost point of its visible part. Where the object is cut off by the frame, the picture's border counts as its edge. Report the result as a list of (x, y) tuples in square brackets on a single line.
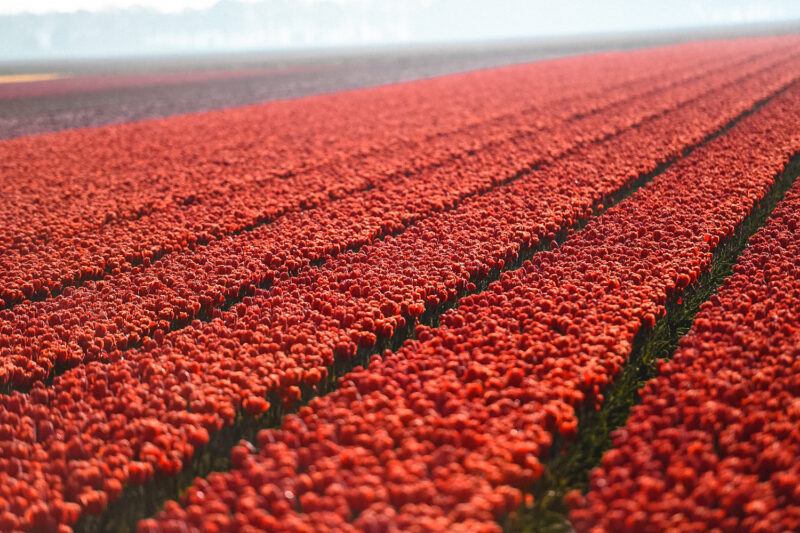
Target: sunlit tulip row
[(512, 363), (294, 135), (123, 195), (446, 433), (593, 157), (714, 445)]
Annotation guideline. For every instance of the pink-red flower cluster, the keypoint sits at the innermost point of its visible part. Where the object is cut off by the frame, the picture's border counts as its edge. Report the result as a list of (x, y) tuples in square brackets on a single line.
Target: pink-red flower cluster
[(714, 445)]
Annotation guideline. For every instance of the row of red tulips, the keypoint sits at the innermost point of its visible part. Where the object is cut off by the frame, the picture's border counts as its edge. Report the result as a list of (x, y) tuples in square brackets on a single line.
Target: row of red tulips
[(101, 426), (448, 432), (319, 121), (119, 161), (142, 305), (38, 270), (714, 445)]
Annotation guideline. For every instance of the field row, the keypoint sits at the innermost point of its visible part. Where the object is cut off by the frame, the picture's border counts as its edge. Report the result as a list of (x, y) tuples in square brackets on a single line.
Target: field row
[(171, 287), (45, 266), (155, 165), (72, 446), (714, 443), (137, 308), (447, 432)]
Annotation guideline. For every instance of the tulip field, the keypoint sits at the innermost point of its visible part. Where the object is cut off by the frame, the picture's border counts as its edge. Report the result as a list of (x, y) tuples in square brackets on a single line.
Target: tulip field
[(552, 296)]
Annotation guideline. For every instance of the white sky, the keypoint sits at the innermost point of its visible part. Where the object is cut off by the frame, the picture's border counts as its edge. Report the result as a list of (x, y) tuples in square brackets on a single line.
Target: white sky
[(753, 10), (45, 6), (705, 11), (366, 22)]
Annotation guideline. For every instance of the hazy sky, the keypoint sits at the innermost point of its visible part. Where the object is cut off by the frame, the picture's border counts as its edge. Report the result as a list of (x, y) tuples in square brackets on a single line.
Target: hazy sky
[(79, 28), (45, 6), (704, 11)]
